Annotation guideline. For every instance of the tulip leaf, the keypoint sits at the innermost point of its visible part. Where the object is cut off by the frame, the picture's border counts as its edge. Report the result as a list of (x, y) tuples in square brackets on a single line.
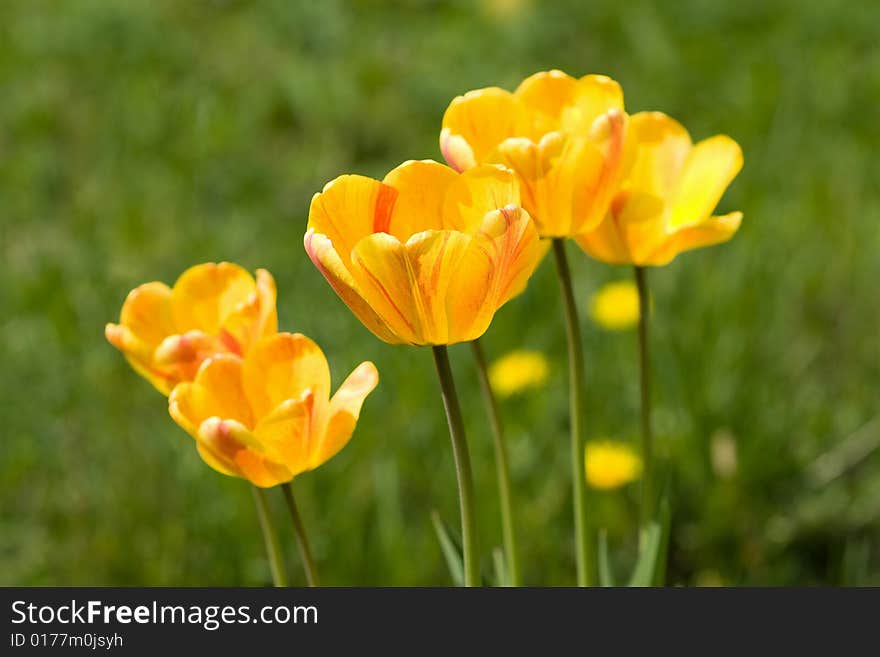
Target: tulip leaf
[(501, 578), (649, 546), (450, 548), (606, 575), (650, 569)]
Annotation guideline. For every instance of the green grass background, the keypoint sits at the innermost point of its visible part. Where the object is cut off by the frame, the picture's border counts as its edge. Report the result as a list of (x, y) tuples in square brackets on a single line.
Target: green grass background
[(138, 138)]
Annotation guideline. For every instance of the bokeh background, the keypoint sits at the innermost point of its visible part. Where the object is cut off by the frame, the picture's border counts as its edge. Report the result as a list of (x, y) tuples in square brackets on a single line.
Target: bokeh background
[(138, 138)]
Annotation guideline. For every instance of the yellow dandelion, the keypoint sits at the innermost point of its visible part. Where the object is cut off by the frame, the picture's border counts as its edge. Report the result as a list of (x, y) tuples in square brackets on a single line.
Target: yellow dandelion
[(611, 464), (518, 371), (615, 307)]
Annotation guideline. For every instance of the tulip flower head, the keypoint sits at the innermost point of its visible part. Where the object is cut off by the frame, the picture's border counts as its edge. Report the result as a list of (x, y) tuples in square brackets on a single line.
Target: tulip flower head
[(166, 333), (269, 416), (665, 204), (427, 255), (563, 136)]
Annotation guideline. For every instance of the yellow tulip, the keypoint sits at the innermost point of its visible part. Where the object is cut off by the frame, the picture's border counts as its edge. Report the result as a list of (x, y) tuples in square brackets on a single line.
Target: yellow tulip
[(611, 464), (166, 333), (268, 417), (665, 203), (518, 371), (563, 136), (427, 255)]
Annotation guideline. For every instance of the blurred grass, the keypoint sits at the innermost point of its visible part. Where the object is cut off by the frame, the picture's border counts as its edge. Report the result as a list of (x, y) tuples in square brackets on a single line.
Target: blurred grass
[(139, 138)]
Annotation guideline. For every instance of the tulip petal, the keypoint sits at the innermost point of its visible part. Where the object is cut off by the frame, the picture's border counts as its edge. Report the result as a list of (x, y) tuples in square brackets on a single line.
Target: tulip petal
[(661, 147), (345, 408), (287, 433), (546, 95), (478, 191), (146, 315), (595, 189), (433, 257), (715, 231), (217, 391), (229, 445), (281, 367), (350, 208), (385, 279), (493, 269), (205, 295), (253, 319), (709, 168), (593, 96), (330, 264), (475, 123), (421, 188)]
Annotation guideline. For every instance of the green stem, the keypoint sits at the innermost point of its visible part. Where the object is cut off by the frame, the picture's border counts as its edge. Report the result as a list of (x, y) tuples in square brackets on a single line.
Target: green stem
[(647, 510), (462, 466), (501, 464), (273, 547), (302, 539), (583, 546)]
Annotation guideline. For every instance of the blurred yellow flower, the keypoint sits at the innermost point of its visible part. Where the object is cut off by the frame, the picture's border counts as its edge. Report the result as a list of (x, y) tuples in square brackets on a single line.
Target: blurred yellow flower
[(268, 417), (166, 333), (518, 371), (616, 306), (563, 136), (666, 200), (611, 464), (427, 255)]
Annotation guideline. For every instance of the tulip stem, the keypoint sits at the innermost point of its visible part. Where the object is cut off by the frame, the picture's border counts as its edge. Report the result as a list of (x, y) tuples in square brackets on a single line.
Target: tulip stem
[(270, 538), (302, 539), (501, 464), (583, 546), (645, 376), (462, 467)]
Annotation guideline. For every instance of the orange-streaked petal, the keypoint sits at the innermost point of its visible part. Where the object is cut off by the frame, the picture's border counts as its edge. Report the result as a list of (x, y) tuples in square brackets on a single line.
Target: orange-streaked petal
[(421, 188), (281, 367), (205, 295), (475, 123), (381, 270), (715, 231), (593, 96), (350, 208), (510, 236), (217, 391), (709, 168), (433, 257), (345, 408), (494, 268), (180, 356), (231, 446), (594, 190), (479, 190), (661, 146), (330, 264)]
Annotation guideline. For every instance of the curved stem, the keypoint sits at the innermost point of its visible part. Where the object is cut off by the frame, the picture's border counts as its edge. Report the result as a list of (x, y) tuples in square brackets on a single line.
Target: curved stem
[(501, 464), (647, 511), (462, 467), (270, 538), (302, 539), (583, 546)]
